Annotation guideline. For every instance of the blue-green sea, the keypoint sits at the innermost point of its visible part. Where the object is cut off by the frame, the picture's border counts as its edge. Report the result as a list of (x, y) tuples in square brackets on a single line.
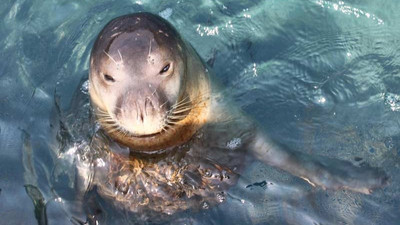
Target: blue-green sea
[(321, 77)]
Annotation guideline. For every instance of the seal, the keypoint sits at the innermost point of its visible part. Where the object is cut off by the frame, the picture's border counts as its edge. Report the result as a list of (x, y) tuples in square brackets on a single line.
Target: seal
[(170, 139)]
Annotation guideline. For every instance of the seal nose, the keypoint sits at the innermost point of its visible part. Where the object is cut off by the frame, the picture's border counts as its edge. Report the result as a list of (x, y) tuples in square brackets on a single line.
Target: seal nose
[(141, 111), (145, 109), (135, 102)]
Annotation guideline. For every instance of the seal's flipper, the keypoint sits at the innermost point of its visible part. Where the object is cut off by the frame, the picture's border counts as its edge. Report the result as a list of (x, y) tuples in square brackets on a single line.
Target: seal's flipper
[(319, 171), (338, 174)]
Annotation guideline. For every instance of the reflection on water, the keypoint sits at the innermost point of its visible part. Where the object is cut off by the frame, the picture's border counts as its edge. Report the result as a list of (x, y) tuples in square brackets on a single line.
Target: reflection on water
[(321, 77)]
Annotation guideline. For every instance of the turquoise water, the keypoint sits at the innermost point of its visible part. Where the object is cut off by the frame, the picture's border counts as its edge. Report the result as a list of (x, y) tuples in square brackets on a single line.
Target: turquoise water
[(322, 77)]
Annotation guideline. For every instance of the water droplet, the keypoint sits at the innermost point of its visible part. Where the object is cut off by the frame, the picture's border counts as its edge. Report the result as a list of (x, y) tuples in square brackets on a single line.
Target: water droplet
[(221, 197), (322, 100), (208, 173)]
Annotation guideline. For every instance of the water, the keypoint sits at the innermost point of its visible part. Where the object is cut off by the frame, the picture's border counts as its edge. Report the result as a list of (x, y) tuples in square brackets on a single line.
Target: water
[(321, 77)]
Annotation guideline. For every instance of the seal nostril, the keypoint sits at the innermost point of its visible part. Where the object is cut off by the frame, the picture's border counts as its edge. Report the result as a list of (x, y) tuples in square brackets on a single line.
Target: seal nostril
[(141, 116), (145, 105), (151, 104)]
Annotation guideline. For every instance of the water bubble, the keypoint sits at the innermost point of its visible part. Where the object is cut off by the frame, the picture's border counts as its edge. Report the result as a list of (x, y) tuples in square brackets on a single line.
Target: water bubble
[(221, 197), (234, 143), (208, 173), (85, 87), (123, 188), (205, 205), (100, 163), (321, 100)]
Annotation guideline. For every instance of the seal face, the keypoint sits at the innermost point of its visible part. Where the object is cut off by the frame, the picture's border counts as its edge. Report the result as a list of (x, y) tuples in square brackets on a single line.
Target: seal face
[(145, 95)]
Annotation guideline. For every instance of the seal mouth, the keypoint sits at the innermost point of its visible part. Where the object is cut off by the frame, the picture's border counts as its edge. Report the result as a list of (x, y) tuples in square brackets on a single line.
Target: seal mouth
[(146, 135), (179, 111)]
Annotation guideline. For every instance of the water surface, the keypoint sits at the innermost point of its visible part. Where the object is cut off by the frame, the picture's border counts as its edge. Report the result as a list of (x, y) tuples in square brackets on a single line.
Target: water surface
[(322, 77)]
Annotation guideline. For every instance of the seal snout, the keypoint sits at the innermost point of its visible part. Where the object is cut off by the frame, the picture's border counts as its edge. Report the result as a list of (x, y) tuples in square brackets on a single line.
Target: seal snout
[(140, 113)]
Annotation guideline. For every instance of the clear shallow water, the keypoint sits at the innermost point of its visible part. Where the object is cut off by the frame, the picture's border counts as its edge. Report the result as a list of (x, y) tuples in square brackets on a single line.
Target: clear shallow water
[(322, 77)]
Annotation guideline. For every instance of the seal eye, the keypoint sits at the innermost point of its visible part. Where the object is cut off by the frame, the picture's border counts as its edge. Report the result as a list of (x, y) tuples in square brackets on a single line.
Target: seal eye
[(108, 78), (165, 69)]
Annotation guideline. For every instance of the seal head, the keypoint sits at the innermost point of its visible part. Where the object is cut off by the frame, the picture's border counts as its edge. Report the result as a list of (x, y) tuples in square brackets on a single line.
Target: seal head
[(145, 92)]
